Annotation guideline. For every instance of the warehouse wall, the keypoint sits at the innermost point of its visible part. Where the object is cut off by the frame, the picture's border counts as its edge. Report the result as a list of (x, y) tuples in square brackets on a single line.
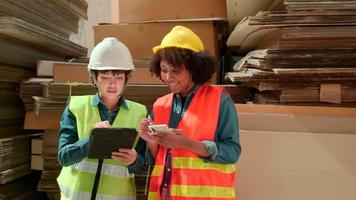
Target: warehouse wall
[(98, 12)]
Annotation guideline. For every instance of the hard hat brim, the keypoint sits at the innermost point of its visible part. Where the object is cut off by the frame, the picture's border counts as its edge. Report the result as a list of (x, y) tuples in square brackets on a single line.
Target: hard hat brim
[(102, 68), (156, 48), (159, 47)]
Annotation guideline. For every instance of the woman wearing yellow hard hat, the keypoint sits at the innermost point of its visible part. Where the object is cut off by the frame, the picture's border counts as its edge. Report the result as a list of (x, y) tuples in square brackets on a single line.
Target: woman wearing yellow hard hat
[(196, 157)]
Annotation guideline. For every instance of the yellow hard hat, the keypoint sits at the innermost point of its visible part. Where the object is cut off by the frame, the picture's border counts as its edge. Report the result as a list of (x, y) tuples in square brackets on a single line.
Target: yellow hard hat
[(182, 37)]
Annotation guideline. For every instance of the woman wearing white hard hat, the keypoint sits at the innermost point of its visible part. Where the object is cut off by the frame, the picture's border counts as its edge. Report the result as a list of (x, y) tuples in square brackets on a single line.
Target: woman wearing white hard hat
[(196, 158), (110, 66)]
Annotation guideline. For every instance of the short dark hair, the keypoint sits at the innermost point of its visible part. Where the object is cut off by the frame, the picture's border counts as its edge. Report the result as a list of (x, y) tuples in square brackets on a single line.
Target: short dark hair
[(202, 65), (96, 72)]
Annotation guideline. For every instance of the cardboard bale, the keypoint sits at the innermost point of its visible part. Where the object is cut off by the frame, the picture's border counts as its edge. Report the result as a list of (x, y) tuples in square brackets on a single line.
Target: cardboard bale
[(146, 10)]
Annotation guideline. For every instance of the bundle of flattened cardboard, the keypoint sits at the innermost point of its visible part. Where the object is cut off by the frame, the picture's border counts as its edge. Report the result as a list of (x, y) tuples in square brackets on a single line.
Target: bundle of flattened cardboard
[(27, 35), (303, 54)]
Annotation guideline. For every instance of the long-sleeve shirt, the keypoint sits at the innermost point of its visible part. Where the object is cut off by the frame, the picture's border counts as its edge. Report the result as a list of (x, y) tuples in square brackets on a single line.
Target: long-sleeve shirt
[(72, 150)]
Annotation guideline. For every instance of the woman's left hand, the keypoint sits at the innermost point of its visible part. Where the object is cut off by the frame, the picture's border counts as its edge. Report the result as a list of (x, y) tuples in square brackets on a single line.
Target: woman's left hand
[(174, 139), (127, 156), (178, 139)]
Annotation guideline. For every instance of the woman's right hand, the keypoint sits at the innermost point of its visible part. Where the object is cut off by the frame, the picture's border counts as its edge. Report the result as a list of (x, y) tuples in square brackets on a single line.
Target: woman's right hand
[(146, 135), (102, 124), (144, 132)]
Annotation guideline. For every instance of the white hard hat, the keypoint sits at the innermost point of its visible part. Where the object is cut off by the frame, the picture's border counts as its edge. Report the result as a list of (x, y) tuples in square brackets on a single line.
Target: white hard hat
[(110, 54)]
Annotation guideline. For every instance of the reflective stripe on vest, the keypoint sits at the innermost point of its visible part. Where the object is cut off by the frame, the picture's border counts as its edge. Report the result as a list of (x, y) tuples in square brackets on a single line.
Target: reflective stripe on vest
[(202, 191), (108, 169), (192, 177), (86, 195), (197, 163), (76, 181)]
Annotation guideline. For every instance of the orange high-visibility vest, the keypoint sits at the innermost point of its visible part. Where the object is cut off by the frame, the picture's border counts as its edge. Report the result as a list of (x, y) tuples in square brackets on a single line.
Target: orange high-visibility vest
[(192, 177)]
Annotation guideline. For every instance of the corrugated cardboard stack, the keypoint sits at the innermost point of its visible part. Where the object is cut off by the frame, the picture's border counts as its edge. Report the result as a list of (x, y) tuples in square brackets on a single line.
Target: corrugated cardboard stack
[(14, 157), (304, 54), (41, 115), (26, 35), (15, 168)]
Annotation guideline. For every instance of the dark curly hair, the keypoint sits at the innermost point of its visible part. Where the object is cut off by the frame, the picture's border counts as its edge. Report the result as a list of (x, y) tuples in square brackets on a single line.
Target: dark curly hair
[(201, 65)]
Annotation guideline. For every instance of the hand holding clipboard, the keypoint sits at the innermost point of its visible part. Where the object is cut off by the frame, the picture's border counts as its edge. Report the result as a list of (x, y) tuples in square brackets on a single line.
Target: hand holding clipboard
[(104, 141)]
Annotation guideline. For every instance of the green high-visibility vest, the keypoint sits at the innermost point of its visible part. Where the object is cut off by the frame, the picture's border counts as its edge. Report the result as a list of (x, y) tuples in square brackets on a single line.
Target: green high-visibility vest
[(76, 181)]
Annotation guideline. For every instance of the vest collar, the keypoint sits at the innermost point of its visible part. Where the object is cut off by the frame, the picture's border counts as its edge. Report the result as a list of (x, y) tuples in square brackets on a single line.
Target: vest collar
[(195, 89), (122, 104)]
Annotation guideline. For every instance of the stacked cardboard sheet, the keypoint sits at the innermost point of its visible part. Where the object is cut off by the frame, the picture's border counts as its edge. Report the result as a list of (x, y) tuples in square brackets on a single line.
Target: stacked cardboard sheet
[(16, 178), (29, 88), (300, 55), (56, 95), (27, 35), (14, 151), (44, 158), (38, 14), (23, 188), (39, 37)]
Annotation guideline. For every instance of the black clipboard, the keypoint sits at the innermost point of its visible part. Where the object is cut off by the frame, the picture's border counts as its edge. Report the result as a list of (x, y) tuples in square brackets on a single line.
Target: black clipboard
[(104, 141)]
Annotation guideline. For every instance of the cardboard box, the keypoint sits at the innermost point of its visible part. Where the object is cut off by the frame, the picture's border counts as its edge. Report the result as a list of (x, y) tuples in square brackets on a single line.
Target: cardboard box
[(50, 137), (142, 74), (63, 73), (37, 122), (296, 152), (330, 93), (50, 150), (140, 38), (297, 110), (296, 165), (68, 72), (313, 119), (146, 10), (51, 164), (297, 123), (36, 146), (36, 162), (45, 67)]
